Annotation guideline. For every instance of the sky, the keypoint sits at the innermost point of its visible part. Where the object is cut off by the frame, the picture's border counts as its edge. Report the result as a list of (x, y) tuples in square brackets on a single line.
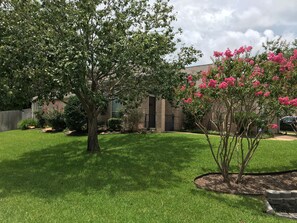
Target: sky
[(215, 25)]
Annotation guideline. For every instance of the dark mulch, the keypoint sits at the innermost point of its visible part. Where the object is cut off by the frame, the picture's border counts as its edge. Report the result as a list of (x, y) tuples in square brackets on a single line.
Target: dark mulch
[(251, 184)]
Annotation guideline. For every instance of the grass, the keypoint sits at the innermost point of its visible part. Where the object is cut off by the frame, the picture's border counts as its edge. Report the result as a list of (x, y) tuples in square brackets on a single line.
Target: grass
[(137, 178)]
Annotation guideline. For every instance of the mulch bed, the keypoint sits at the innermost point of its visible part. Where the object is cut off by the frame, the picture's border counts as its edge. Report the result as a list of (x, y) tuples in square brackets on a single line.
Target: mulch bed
[(252, 184)]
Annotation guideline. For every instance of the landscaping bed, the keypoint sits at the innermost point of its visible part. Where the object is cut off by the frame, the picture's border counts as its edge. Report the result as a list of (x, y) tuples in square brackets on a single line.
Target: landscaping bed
[(252, 184)]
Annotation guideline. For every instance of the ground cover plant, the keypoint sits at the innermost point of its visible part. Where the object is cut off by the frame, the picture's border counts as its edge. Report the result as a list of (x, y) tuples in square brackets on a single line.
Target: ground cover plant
[(137, 178)]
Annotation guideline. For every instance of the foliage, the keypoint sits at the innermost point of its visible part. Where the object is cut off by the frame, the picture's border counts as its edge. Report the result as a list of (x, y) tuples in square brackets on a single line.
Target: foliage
[(243, 94), (55, 119), (98, 50), (150, 173), (75, 115), (21, 55), (39, 115), (115, 124), (131, 119), (189, 121), (26, 123)]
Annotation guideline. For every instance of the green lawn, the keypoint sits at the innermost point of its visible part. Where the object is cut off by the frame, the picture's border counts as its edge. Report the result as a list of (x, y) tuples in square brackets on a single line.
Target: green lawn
[(137, 178)]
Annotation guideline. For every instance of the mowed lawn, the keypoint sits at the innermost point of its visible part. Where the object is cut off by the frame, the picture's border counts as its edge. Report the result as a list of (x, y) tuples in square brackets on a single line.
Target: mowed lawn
[(137, 178)]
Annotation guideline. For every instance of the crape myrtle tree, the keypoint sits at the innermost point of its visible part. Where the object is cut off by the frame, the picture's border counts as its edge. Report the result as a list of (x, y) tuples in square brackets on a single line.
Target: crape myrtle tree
[(103, 50), (241, 94)]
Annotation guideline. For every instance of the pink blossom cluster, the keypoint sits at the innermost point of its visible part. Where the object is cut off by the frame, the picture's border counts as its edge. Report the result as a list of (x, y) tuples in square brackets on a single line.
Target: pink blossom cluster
[(228, 53), (273, 126), (198, 94), (279, 58), (212, 83), (257, 72), (256, 83), (188, 100), (286, 101), (230, 81), (286, 64), (190, 80)]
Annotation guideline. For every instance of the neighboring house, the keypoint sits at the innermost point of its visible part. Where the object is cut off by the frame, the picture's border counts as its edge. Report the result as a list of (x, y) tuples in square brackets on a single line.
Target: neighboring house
[(158, 114)]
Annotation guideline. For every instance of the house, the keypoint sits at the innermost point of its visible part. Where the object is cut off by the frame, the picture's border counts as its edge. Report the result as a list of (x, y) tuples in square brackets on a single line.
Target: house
[(158, 114)]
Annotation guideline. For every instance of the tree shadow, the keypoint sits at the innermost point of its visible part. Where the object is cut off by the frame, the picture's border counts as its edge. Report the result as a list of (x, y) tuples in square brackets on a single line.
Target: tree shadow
[(127, 163)]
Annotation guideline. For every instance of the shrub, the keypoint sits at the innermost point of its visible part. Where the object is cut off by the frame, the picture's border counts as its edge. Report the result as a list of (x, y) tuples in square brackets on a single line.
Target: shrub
[(24, 124), (131, 119), (39, 115), (115, 124), (75, 116), (55, 119)]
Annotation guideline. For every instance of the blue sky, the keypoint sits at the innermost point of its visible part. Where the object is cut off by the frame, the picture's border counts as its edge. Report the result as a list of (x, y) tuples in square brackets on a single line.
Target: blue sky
[(212, 25)]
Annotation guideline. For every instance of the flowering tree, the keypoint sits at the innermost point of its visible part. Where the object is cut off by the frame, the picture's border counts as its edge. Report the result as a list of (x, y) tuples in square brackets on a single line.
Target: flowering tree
[(241, 95)]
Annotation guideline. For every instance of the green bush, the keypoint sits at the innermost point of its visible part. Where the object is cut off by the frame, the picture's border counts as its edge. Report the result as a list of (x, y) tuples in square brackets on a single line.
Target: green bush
[(75, 116), (39, 115), (24, 124), (115, 124), (55, 119)]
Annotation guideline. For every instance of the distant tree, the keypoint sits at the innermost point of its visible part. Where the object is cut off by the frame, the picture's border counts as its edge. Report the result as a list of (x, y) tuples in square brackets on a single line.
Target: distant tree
[(16, 54), (100, 50)]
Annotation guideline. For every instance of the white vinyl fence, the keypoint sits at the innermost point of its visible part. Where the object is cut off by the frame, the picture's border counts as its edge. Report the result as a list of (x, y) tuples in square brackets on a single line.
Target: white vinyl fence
[(10, 119)]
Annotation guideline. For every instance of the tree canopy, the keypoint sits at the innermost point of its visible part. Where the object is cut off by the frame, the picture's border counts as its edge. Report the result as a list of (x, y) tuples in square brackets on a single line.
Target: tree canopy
[(97, 49)]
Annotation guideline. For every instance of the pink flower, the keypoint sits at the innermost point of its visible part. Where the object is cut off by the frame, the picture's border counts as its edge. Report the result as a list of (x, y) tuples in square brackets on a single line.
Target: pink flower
[(240, 50), (203, 86), (223, 85), (273, 126), (293, 102), (188, 101), (240, 84), (259, 93), (284, 100), (198, 94), (212, 83), (249, 48), (275, 78), (257, 72), (220, 68), (267, 94), (190, 78), (252, 62), (217, 54), (279, 58), (256, 83), (183, 88), (228, 53), (192, 84), (230, 81)]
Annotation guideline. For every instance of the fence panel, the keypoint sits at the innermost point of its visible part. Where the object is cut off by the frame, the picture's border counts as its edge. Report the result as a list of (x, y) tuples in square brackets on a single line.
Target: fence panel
[(10, 119)]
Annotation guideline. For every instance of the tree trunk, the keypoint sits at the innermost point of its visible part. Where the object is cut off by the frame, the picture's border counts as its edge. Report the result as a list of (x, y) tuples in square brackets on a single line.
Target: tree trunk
[(93, 143)]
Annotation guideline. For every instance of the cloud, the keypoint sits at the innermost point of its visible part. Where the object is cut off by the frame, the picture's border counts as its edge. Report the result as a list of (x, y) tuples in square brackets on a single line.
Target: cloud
[(216, 25)]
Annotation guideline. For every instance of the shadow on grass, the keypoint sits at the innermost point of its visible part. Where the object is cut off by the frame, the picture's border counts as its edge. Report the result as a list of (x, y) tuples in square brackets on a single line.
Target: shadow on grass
[(129, 163)]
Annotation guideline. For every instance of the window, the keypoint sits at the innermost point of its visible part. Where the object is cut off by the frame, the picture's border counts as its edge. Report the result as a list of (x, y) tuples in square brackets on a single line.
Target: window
[(116, 109)]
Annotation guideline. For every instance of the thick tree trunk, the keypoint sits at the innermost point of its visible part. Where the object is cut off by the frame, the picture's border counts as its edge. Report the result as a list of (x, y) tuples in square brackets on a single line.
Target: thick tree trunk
[(93, 143)]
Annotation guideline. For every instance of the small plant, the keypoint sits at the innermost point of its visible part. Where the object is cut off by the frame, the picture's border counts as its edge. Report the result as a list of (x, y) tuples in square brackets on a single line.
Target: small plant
[(131, 119), (55, 119), (26, 123), (39, 115), (115, 124)]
